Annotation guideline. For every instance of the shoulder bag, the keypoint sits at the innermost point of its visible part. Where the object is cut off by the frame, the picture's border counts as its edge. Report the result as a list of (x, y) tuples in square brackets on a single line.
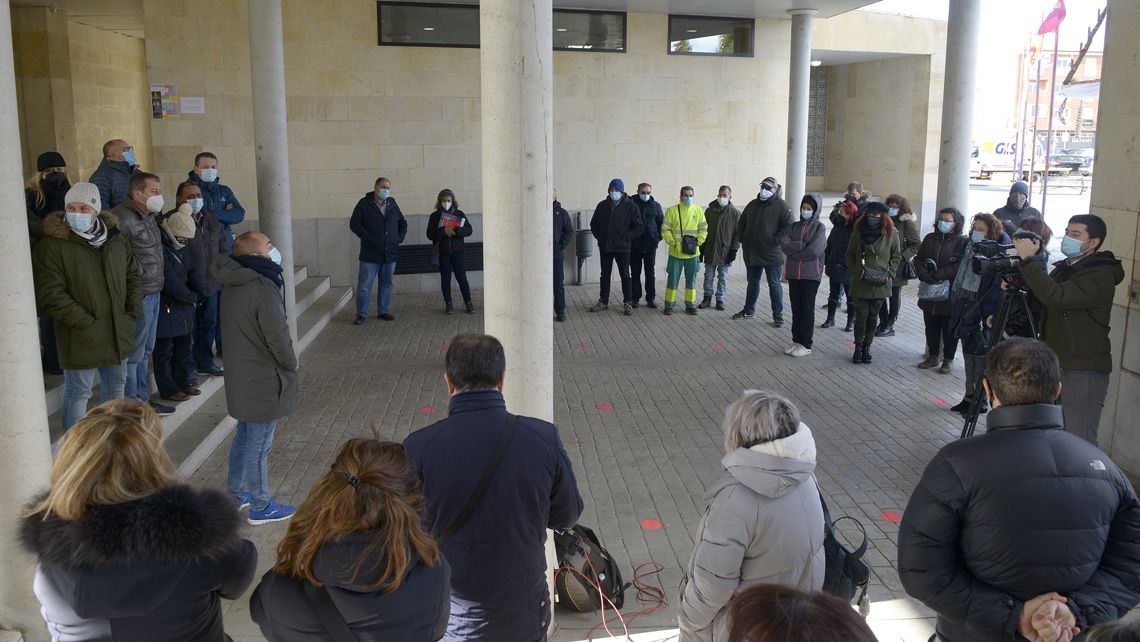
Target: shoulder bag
[(845, 574), (688, 241), (875, 275), (934, 292)]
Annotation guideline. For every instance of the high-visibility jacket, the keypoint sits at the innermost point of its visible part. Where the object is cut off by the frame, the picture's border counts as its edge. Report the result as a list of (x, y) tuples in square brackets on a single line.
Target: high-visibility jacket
[(684, 220)]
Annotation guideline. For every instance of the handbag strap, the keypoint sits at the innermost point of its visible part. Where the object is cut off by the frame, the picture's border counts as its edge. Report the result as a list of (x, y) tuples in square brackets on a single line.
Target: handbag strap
[(334, 622), (484, 482), (830, 526)]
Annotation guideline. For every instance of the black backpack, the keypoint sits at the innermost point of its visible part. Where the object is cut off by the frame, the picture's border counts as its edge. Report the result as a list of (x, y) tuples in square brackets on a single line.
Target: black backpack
[(846, 573), (583, 566)]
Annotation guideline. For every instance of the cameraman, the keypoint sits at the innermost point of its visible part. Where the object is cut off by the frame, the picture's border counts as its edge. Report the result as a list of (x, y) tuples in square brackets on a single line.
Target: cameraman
[(1076, 305)]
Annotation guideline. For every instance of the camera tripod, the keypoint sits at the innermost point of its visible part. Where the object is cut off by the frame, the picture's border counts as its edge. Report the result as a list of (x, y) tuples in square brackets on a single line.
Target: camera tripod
[(1016, 297)]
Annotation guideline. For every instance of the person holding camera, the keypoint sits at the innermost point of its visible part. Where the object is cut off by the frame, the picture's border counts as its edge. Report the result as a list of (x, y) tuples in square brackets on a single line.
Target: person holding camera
[(974, 298), (843, 217), (937, 266), (1076, 306), (873, 258), (1025, 529)]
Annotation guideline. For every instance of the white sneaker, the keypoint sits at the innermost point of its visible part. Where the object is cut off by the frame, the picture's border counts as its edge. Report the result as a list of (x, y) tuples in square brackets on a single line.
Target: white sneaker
[(792, 348), (801, 351)]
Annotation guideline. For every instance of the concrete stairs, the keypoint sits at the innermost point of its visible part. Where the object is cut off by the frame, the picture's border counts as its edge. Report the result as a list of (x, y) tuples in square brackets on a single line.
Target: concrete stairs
[(188, 431)]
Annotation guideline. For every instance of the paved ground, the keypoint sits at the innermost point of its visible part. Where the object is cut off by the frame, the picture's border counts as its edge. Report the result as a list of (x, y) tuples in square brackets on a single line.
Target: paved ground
[(652, 455)]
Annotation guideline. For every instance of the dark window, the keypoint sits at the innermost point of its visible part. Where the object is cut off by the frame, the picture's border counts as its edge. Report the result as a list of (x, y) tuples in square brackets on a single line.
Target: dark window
[(422, 24), (708, 36), (589, 30)]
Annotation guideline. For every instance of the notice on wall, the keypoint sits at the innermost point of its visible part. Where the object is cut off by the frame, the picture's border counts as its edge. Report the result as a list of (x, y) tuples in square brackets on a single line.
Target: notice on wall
[(163, 101), (192, 104)]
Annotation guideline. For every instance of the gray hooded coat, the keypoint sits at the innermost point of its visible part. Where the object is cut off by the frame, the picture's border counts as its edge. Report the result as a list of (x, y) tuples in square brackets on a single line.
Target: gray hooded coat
[(763, 525), (261, 367)]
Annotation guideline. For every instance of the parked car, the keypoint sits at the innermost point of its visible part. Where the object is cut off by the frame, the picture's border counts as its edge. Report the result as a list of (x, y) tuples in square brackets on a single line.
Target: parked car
[(1078, 160)]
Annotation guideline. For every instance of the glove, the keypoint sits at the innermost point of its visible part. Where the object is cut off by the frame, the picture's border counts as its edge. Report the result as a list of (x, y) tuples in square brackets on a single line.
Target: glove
[(731, 257), (850, 208)]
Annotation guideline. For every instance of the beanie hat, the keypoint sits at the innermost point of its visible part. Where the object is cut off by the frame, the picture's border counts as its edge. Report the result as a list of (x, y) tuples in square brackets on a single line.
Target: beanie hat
[(179, 223), (1020, 187), (85, 193), (771, 183), (616, 184), (49, 159), (877, 207)]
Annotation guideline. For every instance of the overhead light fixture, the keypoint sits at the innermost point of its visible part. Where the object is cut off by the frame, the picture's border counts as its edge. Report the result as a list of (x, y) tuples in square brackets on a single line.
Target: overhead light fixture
[(561, 29), (690, 30), (429, 28), (816, 63)]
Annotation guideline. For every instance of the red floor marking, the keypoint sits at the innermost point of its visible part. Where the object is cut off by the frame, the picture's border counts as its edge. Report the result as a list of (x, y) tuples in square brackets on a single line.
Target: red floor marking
[(427, 410), (850, 345), (941, 402), (717, 346), (582, 348), (891, 517), (651, 524), (605, 407), (442, 348)]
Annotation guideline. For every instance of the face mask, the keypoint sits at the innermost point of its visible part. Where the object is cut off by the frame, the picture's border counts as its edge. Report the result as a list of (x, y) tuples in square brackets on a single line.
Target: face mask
[(945, 227), (893, 212), (446, 205), (209, 175), (56, 181), (806, 214), (874, 221), (196, 204), (383, 193), (275, 256), (129, 156), (766, 193), (1019, 200), (78, 221), (688, 200), (155, 203), (1071, 247), (615, 196), (644, 197), (977, 236), (722, 201)]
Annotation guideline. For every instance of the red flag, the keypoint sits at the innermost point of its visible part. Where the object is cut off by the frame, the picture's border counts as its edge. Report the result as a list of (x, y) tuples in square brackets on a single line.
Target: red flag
[(1053, 20)]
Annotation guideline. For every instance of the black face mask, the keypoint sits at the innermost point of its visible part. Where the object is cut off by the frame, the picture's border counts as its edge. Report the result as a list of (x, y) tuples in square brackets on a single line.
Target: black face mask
[(874, 221), (55, 181)]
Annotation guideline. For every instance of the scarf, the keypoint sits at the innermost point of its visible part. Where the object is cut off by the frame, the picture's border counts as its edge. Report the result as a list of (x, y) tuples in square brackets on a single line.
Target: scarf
[(871, 235), (263, 266), (174, 240), (966, 282), (97, 235)]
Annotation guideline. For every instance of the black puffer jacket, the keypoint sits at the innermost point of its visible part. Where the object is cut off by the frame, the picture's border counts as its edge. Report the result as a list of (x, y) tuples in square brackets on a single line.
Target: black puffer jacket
[(652, 218), (616, 224), (153, 568), (835, 253), (1022, 510)]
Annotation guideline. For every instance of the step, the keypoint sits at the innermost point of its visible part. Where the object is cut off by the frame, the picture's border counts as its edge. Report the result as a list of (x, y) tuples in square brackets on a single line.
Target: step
[(313, 320), (309, 291), (300, 273)]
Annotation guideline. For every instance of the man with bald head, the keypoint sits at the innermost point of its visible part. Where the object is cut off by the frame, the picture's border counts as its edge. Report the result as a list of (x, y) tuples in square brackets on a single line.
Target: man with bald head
[(261, 377), (113, 176)]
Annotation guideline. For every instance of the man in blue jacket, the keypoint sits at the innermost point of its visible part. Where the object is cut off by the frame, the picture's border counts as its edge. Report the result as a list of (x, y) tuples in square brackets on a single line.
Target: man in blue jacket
[(219, 199), (113, 176), (497, 557), (381, 226)]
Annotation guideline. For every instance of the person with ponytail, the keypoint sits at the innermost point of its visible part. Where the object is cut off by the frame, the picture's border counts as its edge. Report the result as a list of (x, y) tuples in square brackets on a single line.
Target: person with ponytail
[(358, 537)]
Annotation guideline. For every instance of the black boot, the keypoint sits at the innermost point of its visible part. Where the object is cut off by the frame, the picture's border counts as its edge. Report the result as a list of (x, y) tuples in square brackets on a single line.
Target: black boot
[(885, 330), (850, 318), (857, 357), (867, 353), (830, 321), (705, 303)]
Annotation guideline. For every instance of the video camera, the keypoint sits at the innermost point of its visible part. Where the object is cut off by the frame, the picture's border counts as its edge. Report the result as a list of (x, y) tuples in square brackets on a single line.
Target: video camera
[(993, 256), (847, 198)]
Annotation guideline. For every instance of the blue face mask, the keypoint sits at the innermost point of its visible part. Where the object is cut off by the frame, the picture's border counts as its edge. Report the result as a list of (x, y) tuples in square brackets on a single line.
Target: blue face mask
[(874, 221), (275, 256), (644, 197), (129, 156), (945, 227), (383, 193), (615, 196), (209, 175), (688, 200), (806, 214), (977, 235), (893, 212), (1071, 247), (78, 221)]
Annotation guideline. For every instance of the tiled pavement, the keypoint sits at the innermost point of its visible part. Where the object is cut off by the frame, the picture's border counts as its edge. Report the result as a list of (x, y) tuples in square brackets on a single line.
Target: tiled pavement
[(639, 402)]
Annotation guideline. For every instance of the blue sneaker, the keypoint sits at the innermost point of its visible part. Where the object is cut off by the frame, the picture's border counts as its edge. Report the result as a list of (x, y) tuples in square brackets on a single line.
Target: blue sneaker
[(273, 512), (243, 503)]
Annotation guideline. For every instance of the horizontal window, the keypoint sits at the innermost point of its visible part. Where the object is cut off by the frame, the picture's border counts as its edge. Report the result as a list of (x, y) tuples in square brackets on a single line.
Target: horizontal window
[(576, 30), (422, 24), (709, 36)]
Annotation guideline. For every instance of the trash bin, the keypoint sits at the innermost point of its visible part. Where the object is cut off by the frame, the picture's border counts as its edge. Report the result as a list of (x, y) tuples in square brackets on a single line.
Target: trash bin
[(583, 249)]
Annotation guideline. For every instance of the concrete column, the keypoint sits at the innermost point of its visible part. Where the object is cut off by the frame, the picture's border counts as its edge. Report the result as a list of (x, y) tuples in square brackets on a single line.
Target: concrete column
[(958, 103), (795, 180), (25, 447), (517, 106), (271, 139)]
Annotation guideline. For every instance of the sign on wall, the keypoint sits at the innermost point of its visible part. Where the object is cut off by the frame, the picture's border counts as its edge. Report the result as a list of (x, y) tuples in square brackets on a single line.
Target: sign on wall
[(163, 101)]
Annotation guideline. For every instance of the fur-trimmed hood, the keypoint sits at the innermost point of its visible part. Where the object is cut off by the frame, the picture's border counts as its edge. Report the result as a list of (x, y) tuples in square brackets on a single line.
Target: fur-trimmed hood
[(176, 525), (908, 216), (55, 225)]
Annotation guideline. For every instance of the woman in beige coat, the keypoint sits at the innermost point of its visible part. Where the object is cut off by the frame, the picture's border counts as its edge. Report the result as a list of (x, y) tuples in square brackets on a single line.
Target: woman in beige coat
[(764, 522)]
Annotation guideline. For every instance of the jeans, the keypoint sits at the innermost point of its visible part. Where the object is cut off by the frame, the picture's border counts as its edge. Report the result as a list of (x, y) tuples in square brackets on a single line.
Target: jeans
[(622, 260), (77, 385), (720, 274), (1082, 400), (889, 313), (559, 283), (173, 365), (364, 279), (449, 263), (938, 336), (146, 329), (802, 293), (206, 332), (249, 462), (638, 261), (775, 290), (866, 313), (673, 270)]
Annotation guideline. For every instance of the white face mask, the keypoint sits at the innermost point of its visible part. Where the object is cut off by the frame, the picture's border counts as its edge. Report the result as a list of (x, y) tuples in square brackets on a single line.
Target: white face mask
[(446, 205), (722, 200), (155, 203), (766, 194), (209, 175)]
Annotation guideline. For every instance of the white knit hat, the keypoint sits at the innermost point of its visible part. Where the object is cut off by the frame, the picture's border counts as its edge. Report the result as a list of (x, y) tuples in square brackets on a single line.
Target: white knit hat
[(179, 223), (85, 193)]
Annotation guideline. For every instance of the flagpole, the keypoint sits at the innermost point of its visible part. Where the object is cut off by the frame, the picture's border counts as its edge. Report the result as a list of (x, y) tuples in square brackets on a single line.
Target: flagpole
[(1033, 143), (1049, 145), (1023, 77)]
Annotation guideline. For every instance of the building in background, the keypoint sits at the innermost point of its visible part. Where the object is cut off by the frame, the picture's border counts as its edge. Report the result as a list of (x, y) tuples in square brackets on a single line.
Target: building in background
[(1074, 121)]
